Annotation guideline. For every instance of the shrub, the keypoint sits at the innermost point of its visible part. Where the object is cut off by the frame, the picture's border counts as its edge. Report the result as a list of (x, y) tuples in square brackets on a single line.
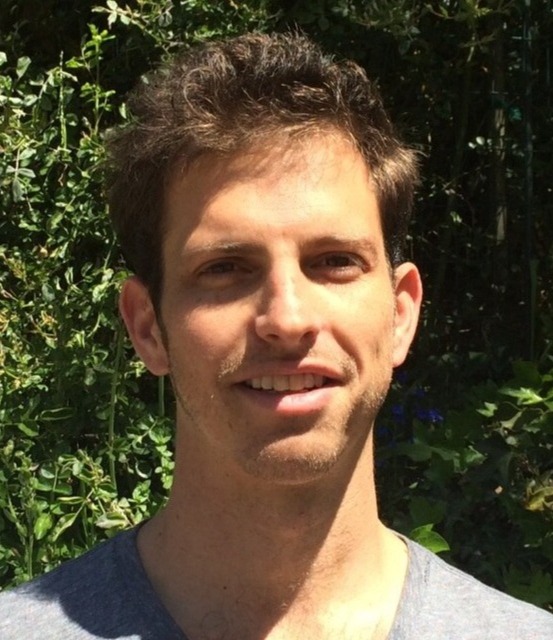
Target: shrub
[(479, 477)]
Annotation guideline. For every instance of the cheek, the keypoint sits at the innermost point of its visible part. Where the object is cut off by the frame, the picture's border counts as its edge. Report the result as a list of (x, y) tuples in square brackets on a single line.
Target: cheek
[(369, 338), (201, 335), (369, 317)]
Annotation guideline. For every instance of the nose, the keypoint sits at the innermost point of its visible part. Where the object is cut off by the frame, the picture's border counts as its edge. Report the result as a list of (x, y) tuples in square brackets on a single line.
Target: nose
[(288, 314)]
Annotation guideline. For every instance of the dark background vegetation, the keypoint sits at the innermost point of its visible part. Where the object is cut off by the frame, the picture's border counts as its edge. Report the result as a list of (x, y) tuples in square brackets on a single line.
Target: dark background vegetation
[(465, 445)]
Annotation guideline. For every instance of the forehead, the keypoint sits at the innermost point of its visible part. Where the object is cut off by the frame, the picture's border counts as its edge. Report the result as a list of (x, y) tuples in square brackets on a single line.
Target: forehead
[(316, 184)]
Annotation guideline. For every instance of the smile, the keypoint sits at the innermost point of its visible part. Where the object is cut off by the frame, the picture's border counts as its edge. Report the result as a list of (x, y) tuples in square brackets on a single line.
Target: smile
[(296, 382)]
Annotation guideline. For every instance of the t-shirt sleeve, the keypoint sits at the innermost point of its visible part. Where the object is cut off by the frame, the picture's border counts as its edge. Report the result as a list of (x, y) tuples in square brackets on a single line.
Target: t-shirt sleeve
[(441, 602), (103, 594)]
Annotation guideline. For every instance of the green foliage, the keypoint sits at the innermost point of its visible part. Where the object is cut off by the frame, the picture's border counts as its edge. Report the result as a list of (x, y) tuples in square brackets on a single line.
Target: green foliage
[(464, 460), (481, 476)]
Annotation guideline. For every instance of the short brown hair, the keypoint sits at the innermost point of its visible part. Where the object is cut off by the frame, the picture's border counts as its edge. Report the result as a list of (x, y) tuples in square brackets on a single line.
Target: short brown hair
[(223, 96)]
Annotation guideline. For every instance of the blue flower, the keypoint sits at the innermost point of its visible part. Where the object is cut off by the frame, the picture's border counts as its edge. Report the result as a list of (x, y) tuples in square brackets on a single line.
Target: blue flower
[(398, 412), (429, 415), (401, 377), (383, 432)]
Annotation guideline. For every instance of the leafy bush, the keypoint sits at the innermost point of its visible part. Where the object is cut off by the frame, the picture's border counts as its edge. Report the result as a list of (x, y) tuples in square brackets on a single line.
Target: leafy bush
[(479, 477)]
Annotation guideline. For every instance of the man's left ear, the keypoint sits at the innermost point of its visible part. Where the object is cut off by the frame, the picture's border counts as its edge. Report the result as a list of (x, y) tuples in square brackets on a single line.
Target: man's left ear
[(408, 296)]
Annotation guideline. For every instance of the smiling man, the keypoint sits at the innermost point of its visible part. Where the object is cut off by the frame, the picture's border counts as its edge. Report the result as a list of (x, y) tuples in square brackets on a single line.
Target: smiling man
[(262, 198)]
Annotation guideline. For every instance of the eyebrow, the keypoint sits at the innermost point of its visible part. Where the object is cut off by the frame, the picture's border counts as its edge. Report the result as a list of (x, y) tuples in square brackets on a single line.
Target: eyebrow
[(365, 244), (331, 242), (224, 248)]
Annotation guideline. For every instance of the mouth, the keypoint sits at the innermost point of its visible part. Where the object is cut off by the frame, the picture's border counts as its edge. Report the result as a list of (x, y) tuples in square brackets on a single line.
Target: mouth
[(291, 394), (296, 383)]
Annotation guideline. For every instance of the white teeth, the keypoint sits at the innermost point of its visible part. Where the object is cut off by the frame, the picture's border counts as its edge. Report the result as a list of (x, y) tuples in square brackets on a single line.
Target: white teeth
[(295, 382), (281, 383), (266, 382)]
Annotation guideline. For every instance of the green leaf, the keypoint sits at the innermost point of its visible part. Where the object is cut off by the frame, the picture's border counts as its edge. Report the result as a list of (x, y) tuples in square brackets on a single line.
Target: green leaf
[(524, 394), (111, 521), (417, 451), (488, 410), (43, 524), (429, 539), (22, 66), (27, 173), (17, 190), (47, 473), (28, 431), (540, 499), (62, 488), (64, 523), (424, 510), (71, 500), (527, 373)]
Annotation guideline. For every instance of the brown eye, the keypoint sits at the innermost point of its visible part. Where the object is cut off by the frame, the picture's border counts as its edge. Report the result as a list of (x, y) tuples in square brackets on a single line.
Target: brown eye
[(221, 267), (224, 273), (338, 267), (339, 261)]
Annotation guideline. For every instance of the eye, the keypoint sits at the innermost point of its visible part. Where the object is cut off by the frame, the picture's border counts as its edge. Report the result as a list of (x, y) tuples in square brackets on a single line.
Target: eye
[(220, 267), (339, 261), (338, 267), (223, 272)]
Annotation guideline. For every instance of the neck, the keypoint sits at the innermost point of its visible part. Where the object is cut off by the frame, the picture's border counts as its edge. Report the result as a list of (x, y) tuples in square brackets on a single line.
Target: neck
[(258, 558)]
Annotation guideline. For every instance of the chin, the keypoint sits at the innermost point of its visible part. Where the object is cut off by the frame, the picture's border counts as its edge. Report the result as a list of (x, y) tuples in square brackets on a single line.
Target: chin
[(293, 463), (307, 453)]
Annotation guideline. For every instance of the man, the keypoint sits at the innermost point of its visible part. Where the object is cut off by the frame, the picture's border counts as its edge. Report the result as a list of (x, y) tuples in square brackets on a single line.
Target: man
[(262, 198)]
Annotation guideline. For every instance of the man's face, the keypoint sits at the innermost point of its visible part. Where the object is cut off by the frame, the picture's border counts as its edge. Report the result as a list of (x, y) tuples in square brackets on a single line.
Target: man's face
[(280, 318)]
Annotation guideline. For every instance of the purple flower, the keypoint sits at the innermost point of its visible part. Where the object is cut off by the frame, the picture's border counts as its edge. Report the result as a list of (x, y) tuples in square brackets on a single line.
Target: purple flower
[(383, 432), (398, 413), (429, 415), (401, 377)]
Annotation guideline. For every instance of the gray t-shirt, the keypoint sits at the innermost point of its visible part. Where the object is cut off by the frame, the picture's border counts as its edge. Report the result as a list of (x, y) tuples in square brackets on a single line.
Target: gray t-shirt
[(106, 594)]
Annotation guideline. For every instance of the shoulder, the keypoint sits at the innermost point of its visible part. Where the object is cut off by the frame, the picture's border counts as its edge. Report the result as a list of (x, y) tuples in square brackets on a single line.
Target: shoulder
[(445, 602), (103, 594)]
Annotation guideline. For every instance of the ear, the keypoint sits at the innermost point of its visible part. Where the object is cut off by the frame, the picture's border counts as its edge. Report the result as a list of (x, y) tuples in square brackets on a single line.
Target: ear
[(408, 294), (137, 310)]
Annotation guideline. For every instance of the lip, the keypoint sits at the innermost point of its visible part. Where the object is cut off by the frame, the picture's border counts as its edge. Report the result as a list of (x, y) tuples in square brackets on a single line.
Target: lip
[(290, 369), (291, 403)]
